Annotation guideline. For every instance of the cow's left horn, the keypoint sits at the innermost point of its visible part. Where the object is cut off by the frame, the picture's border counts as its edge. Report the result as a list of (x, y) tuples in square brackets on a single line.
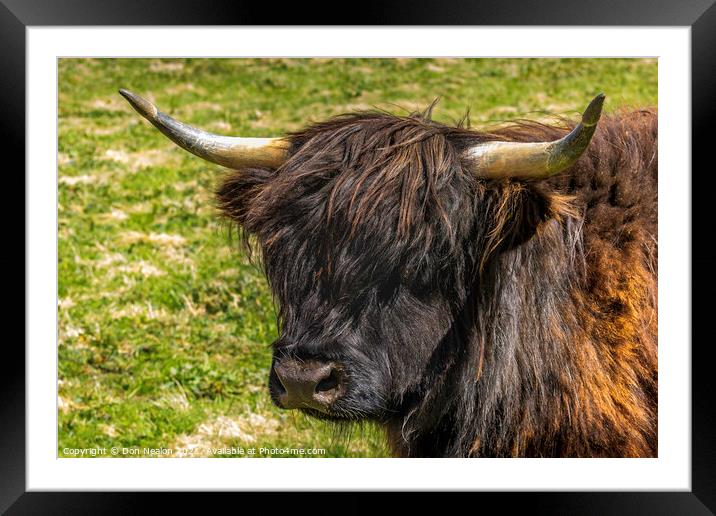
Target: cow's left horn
[(228, 151), (536, 160)]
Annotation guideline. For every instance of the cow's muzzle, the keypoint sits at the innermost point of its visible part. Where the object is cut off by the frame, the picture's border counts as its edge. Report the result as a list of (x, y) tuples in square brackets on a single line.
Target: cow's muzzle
[(306, 384)]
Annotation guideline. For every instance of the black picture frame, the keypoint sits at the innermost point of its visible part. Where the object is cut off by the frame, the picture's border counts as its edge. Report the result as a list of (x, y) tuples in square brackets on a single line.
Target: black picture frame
[(17, 15)]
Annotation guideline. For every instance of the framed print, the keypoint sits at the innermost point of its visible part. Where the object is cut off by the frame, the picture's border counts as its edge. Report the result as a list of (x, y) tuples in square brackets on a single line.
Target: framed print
[(434, 255)]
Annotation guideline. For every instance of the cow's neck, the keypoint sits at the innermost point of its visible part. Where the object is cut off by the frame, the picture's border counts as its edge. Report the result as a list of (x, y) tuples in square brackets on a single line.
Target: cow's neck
[(509, 347)]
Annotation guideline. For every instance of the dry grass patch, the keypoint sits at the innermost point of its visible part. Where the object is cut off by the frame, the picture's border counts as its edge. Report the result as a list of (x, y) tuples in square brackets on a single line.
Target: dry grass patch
[(114, 215), (89, 125), (143, 159), (109, 259), (77, 180), (221, 430), (63, 159), (108, 430), (142, 267), (68, 332), (219, 125), (139, 310), (183, 87), (178, 256), (162, 239), (66, 405), (166, 66), (174, 400), (65, 303), (108, 104)]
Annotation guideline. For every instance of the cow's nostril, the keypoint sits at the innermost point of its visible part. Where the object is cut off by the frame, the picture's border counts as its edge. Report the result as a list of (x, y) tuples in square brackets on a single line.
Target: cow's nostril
[(329, 383)]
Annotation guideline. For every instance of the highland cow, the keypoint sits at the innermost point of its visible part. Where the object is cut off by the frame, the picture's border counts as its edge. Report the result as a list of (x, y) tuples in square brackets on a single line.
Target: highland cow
[(479, 294)]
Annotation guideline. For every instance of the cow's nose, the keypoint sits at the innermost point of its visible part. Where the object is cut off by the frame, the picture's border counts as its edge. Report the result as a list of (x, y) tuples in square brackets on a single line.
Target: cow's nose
[(308, 384)]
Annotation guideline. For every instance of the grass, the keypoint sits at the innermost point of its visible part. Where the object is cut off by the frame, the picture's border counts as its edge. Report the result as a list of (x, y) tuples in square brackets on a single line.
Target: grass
[(164, 325)]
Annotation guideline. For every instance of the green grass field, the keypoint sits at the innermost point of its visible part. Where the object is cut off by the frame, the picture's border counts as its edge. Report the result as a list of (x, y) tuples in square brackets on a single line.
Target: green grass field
[(164, 325)]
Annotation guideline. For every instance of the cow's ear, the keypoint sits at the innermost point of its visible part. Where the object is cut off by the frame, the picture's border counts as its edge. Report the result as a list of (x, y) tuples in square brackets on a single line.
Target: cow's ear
[(237, 192), (518, 211)]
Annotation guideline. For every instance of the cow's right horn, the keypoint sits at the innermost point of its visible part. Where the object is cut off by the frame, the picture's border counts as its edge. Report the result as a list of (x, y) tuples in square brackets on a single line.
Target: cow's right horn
[(231, 152)]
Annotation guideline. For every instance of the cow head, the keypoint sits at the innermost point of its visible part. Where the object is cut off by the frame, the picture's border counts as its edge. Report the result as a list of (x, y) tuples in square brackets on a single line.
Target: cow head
[(374, 231)]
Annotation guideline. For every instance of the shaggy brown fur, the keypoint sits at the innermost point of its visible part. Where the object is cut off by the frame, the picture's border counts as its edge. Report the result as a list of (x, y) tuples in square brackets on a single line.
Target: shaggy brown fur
[(474, 317)]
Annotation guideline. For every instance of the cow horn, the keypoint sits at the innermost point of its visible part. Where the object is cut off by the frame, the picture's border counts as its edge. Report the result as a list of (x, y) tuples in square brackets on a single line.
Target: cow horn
[(536, 160), (228, 151)]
